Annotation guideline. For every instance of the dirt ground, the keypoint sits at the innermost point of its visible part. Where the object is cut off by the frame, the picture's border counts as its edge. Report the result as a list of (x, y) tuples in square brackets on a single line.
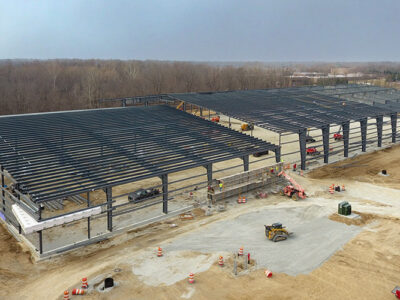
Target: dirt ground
[(366, 267)]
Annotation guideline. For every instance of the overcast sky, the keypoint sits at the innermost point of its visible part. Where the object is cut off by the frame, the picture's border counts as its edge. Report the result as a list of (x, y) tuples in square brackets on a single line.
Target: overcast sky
[(202, 30)]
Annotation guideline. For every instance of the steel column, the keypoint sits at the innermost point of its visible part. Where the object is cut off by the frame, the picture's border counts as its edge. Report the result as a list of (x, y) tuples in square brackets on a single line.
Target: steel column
[(2, 185), (379, 129), (325, 140), (201, 111), (363, 125), (346, 134), (278, 154), (302, 141), (393, 118), (40, 232), (88, 219), (164, 179), (209, 174), (109, 208), (245, 162)]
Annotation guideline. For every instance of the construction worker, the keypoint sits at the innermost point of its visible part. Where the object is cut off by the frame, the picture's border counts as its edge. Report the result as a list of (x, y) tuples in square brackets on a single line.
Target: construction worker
[(221, 185), (294, 167)]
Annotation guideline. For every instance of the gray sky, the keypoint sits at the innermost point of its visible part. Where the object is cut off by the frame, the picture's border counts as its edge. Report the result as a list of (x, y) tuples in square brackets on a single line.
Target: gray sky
[(202, 30)]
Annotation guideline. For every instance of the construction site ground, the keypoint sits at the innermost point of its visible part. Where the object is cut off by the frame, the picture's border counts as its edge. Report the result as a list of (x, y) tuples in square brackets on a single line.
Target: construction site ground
[(328, 256)]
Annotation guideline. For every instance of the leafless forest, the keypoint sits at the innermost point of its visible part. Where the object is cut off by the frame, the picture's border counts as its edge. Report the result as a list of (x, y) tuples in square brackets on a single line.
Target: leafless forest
[(35, 86)]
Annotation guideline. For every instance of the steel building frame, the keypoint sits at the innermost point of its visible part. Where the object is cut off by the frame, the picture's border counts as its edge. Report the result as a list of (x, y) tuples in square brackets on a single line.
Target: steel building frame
[(51, 156)]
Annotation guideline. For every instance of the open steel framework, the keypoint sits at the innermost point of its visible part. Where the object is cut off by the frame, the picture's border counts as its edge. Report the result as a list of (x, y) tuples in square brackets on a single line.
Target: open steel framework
[(51, 156), (294, 110)]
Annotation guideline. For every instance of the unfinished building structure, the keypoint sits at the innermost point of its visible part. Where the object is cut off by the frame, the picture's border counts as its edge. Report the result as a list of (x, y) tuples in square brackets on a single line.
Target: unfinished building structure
[(51, 164), (301, 111)]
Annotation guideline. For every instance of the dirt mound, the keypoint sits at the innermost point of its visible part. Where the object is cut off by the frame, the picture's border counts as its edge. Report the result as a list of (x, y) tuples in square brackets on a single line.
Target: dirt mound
[(364, 218)]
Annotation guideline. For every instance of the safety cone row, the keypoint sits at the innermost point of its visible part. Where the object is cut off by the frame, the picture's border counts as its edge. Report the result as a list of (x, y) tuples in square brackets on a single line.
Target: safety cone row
[(221, 261), (84, 283), (191, 278), (242, 200), (159, 252), (240, 253)]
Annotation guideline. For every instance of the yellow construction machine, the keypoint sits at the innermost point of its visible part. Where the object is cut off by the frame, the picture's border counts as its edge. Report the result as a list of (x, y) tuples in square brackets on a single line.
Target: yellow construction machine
[(276, 232), (247, 127)]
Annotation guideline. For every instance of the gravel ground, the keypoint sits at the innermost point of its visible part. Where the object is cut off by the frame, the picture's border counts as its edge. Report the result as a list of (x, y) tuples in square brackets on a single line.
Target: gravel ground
[(315, 238)]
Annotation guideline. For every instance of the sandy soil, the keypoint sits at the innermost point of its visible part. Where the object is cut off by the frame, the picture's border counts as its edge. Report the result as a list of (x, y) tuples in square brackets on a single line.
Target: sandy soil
[(366, 267)]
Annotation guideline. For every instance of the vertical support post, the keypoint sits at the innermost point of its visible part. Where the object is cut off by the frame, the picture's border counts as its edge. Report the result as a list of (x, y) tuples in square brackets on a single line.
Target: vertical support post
[(302, 141), (363, 125), (88, 219), (146, 103), (379, 129), (393, 119), (209, 174), (201, 111), (109, 208), (2, 185), (184, 106), (164, 179), (278, 154), (209, 114), (230, 125), (40, 232), (346, 134), (123, 102), (245, 163), (325, 140)]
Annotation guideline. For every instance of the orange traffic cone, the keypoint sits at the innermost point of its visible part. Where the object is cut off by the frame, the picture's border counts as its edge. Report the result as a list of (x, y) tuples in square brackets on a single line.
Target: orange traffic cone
[(66, 295), (239, 200), (159, 252), (221, 261), (268, 273), (240, 253), (343, 189), (244, 200), (84, 283), (78, 292), (331, 189), (191, 278)]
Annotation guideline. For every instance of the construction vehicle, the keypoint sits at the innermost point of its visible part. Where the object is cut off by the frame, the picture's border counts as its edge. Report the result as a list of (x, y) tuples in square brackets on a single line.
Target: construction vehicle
[(276, 232), (312, 151), (338, 136), (294, 190), (258, 154), (215, 119), (247, 127)]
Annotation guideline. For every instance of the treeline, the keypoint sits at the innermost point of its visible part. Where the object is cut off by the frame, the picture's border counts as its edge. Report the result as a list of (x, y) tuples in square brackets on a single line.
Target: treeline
[(36, 86)]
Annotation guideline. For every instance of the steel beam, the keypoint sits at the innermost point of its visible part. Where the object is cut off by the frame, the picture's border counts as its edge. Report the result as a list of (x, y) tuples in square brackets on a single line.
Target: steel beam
[(303, 152), (393, 119), (209, 174), (245, 163), (2, 191), (164, 179), (88, 220), (325, 140), (346, 134), (379, 129), (109, 209), (363, 127), (278, 154)]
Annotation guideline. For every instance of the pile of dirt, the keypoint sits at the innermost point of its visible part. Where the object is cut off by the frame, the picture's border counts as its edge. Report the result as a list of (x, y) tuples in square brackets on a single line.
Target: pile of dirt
[(362, 220)]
